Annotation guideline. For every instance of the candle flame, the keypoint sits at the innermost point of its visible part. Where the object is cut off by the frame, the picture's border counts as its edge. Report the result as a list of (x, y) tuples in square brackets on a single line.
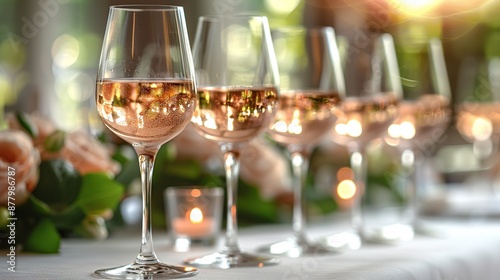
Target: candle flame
[(195, 215)]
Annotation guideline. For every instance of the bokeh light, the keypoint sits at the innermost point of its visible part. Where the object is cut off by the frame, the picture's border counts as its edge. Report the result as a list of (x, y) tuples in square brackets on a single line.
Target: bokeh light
[(346, 189), (65, 51)]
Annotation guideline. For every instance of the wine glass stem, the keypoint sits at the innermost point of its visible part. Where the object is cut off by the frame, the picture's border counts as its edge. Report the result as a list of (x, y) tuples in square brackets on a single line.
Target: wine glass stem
[(232, 167), (409, 163), (299, 168), (358, 165), (146, 254)]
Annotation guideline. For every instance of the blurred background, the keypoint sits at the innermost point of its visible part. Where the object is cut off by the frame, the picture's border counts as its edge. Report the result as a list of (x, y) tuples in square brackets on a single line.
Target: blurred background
[(49, 51)]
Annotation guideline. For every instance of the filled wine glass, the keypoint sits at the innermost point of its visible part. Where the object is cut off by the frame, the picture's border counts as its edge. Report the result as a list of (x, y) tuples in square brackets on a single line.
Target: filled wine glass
[(311, 89), (373, 90), (424, 117), (238, 89), (478, 117), (146, 95)]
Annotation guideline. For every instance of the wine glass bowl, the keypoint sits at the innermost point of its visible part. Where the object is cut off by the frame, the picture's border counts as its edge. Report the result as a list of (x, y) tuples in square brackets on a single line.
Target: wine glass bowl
[(237, 91), (234, 114), (150, 112), (145, 94), (365, 119), (479, 124)]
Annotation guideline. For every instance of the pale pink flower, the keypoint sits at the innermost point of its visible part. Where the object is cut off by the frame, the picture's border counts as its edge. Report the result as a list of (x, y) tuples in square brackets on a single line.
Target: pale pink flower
[(19, 161), (84, 152), (87, 154)]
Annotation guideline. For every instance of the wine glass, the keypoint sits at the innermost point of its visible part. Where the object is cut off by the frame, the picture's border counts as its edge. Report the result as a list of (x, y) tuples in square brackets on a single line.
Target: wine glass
[(478, 117), (424, 116), (146, 95), (311, 89), (238, 84), (370, 106)]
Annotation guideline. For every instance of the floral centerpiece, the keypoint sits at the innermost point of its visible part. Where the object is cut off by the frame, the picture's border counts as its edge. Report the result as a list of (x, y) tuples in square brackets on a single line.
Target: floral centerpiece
[(71, 184), (53, 183)]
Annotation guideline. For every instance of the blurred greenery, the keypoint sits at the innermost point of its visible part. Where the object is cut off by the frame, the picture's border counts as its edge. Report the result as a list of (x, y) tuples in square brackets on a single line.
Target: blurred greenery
[(61, 202)]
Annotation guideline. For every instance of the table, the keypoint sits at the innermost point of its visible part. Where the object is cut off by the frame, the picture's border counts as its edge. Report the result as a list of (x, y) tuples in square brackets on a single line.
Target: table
[(467, 250)]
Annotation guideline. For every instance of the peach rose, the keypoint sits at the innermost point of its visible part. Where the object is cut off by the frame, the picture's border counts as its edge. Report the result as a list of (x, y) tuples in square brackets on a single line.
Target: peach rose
[(19, 161), (41, 126), (87, 154)]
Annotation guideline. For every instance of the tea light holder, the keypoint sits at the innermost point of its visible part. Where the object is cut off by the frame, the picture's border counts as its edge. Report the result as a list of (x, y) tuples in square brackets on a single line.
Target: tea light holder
[(193, 215)]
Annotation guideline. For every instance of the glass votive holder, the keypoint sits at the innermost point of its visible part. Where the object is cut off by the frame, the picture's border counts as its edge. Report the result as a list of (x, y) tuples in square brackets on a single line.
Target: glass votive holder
[(194, 215)]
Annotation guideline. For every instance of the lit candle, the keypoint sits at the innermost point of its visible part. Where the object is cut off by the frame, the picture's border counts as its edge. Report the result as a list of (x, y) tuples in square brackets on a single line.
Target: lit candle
[(194, 225)]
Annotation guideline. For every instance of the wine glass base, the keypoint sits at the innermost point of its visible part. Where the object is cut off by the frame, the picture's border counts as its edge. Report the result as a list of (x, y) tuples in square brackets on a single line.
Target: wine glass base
[(347, 240), (225, 261), (391, 234), (146, 271), (425, 229), (294, 248)]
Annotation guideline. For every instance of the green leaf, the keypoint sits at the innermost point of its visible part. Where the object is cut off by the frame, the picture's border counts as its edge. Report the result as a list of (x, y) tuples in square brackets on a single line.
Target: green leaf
[(99, 192), (59, 184), (4, 214), (43, 239), (27, 124), (69, 219), (55, 141), (129, 165), (39, 207)]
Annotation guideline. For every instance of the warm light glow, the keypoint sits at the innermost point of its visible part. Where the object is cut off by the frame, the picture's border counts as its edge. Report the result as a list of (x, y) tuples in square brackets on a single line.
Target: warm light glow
[(418, 7), (195, 215), (354, 128), (394, 131), (407, 130), (341, 129), (294, 127), (346, 189), (404, 130), (482, 129), (195, 193), (209, 121), (65, 51), (281, 6), (345, 173), (280, 126)]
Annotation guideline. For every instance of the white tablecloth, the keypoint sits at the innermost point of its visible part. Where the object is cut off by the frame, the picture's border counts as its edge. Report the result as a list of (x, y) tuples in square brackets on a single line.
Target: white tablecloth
[(468, 250)]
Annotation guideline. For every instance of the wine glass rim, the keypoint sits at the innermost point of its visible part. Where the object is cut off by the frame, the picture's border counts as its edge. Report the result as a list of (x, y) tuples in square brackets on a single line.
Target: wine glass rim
[(302, 27), (146, 7), (238, 16)]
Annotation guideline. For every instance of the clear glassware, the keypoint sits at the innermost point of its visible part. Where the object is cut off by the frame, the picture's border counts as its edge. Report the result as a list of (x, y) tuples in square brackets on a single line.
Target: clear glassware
[(478, 118), (424, 117), (146, 95), (238, 89), (311, 89), (370, 106)]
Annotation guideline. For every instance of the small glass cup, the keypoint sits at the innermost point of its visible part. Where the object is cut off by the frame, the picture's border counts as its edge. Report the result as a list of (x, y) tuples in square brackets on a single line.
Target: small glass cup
[(194, 215)]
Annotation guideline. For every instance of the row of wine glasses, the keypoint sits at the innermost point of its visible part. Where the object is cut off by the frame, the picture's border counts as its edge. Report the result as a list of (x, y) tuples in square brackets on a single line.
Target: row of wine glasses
[(147, 94)]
